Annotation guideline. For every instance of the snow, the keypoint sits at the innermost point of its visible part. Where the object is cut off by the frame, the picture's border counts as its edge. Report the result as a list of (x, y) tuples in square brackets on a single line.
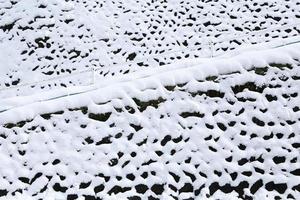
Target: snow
[(162, 100), (65, 134), (169, 75), (53, 38)]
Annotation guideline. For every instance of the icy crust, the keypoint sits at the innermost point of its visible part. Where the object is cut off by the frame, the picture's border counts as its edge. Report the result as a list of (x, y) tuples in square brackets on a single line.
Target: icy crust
[(46, 39), (230, 132)]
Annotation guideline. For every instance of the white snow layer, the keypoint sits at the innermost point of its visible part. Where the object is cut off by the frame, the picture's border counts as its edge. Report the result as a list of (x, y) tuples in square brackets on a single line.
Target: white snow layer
[(41, 42), (175, 73), (206, 129)]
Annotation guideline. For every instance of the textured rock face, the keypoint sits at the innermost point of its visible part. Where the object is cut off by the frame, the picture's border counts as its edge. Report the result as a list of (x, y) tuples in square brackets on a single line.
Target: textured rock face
[(46, 39)]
